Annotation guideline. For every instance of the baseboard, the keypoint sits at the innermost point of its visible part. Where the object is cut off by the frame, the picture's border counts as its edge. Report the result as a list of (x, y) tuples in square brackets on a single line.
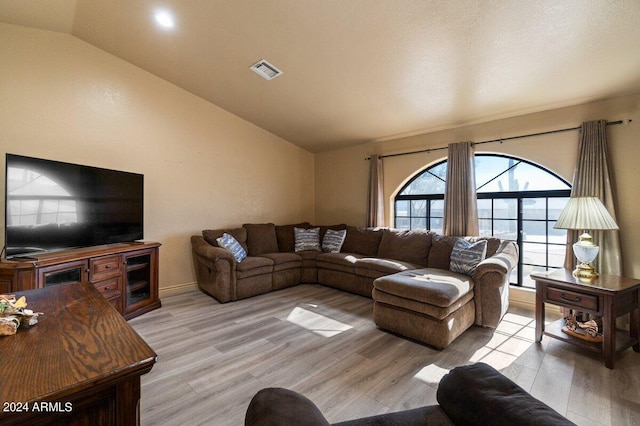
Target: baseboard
[(525, 298), (165, 291), (522, 297)]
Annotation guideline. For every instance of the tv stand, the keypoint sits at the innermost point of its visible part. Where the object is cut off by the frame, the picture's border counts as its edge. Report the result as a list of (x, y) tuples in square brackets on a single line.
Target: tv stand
[(125, 273)]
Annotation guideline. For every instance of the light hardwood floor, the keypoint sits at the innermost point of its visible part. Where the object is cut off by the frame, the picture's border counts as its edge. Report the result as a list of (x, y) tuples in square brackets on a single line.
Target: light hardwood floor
[(212, 358)]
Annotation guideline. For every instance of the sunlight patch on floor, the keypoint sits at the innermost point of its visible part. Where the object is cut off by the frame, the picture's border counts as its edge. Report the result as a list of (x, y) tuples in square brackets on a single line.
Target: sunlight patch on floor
[(431, 374), (316, 323), (512, 338)]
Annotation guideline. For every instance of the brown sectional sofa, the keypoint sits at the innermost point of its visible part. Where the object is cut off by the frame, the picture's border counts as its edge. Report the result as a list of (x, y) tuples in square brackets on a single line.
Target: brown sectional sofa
[(366, 255)]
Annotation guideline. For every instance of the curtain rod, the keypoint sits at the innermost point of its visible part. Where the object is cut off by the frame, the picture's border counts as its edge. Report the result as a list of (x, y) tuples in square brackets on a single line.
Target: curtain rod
[(610, 123)]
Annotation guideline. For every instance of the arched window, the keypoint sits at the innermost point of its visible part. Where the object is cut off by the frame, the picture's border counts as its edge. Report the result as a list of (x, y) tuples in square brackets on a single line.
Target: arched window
[(517, 200)]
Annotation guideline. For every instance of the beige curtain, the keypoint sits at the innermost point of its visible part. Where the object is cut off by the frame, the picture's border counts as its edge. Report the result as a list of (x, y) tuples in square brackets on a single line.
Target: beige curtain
[(375, 211), (591, 179), (460, 205)]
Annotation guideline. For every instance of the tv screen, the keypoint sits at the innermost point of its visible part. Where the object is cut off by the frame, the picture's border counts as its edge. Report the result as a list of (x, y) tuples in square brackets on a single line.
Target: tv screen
[(51, 205)]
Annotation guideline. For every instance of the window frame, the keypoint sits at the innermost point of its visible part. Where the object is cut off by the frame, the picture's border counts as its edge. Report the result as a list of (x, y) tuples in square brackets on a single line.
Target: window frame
[(520, 196)]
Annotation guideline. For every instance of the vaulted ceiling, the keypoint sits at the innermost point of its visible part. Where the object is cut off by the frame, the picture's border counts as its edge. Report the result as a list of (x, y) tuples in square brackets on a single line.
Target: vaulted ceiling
[(360, 70)]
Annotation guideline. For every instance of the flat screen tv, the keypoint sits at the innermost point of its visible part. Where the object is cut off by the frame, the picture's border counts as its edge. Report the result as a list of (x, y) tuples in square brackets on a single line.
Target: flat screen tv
[(51, 206)]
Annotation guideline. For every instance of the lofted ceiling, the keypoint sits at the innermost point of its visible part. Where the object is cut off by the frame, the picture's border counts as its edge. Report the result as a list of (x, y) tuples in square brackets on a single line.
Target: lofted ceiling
[(361, 70)]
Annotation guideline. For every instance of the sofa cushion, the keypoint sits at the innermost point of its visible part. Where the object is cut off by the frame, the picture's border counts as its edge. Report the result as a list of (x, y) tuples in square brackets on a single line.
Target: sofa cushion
[(408, 245), (284, 235), (282, 261), (466, 256), (240, 234), (433, 311), (333, 240), (261, 238), (362, 241), (374, 267), (307, 239), (252, 266), (231, 244), (428, 285), (440, 253), (345, 262)]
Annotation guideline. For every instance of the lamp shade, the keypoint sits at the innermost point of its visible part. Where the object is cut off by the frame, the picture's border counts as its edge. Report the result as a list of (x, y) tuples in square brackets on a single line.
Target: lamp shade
[(585, 213)]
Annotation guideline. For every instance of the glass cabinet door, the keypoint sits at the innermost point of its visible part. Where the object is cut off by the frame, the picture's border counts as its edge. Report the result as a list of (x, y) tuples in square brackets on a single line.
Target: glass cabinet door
[(64, 273), (138, 288)]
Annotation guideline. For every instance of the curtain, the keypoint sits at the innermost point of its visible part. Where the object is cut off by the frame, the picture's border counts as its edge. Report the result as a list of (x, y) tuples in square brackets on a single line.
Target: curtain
[(375, 210), (591, 179), (460, 204)]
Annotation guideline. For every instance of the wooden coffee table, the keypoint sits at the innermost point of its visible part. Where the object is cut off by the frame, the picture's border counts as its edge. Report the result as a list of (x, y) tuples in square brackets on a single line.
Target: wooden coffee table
[(607, 296)]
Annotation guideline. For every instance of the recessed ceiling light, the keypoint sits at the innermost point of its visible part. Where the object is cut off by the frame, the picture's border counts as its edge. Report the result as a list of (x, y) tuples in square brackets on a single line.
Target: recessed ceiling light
[(164, 19)]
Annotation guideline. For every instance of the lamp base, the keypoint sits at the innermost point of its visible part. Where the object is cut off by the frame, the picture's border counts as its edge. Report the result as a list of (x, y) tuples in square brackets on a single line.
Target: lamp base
[(585, 270)]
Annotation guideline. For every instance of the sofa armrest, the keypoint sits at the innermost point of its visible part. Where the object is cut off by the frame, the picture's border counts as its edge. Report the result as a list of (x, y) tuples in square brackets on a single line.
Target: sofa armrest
[(502, 262), (478, 394), (215, 269), (208, 252), (282, 407), (491, 278)]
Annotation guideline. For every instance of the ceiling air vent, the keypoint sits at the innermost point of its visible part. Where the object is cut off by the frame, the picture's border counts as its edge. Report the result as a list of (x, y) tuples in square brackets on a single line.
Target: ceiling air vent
[(265, 70)]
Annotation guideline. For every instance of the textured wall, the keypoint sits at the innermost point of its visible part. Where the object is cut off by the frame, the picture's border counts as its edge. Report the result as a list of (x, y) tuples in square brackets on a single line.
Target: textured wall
[(65, 100)]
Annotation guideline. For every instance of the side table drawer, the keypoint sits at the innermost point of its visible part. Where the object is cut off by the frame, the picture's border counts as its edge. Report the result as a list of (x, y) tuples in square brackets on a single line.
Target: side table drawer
[(572, 299)]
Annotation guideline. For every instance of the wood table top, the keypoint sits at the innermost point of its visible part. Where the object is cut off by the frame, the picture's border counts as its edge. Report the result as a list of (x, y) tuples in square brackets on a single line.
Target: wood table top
[(81, 341), (603, 283)]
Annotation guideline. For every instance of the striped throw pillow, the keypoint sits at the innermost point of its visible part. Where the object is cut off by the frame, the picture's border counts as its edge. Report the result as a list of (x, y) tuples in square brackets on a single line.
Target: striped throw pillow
[(333, 240), (306, 239), (231, 244), (466, 256)]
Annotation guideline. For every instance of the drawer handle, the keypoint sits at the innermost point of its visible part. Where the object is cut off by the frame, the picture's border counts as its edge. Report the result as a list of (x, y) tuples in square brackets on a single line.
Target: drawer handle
[(570, 299), (107, 288), (107, 267)]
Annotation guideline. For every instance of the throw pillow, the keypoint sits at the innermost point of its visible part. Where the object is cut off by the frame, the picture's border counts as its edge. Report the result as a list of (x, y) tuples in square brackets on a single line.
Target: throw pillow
[(306, 239), (332, 241), (231, 244), (466, 256)]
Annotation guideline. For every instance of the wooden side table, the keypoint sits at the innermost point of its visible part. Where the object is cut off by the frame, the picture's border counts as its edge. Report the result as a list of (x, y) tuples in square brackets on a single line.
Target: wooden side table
[(607, 296)]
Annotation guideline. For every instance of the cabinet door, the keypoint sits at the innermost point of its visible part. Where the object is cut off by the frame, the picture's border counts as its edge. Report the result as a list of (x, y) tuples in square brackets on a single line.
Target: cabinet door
[(63, 273), (5, 286), (141, 289)]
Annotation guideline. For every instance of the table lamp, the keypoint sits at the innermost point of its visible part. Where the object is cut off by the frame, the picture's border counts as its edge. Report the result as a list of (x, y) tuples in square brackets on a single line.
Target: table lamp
[(585, 213)]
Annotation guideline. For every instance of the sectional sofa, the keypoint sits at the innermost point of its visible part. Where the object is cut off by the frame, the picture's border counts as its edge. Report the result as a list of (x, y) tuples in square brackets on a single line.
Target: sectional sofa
[(407, 273)]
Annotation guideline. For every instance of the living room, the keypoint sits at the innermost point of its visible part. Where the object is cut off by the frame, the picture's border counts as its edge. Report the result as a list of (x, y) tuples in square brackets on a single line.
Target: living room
[(67, 98)]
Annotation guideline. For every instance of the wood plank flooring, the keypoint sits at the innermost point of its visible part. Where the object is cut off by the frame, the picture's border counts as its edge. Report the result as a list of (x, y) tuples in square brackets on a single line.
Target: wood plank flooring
[(212, 358)]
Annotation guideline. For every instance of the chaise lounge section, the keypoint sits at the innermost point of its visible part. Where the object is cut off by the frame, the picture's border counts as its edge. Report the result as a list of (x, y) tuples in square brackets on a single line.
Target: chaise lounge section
[(407, 273)]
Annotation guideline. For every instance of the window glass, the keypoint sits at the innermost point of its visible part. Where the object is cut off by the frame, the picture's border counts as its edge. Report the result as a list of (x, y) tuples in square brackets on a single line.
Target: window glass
[(431, 181), (505, 174)]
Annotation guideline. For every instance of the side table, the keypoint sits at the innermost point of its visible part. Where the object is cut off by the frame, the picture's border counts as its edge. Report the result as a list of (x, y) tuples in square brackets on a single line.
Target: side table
[(607, 296)]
